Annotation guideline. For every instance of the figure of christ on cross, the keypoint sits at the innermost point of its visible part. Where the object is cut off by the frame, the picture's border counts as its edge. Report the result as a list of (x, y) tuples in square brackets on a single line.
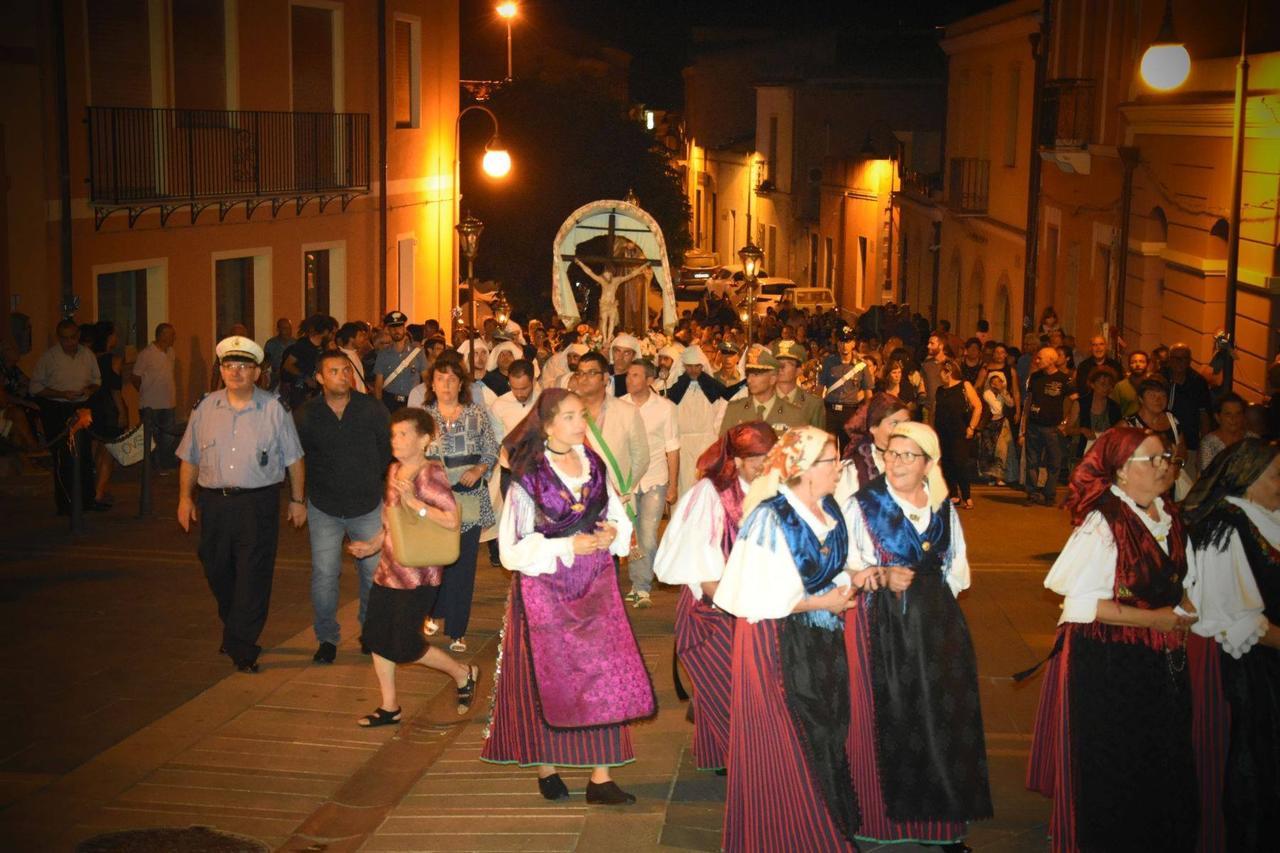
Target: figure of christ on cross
[(608, 295)]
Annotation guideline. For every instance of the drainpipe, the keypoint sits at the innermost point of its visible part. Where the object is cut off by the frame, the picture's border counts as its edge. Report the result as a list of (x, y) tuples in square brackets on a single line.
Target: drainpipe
[(1040, 50), (69, 301), (382, 157), (1129, 160)]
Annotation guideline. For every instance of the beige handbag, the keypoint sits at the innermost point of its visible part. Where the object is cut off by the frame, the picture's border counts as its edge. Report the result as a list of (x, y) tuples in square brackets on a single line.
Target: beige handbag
[(417, 541)]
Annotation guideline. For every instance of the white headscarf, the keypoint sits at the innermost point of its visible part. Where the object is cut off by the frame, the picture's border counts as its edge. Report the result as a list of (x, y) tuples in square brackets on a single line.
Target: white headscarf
[(625, 341), (464, 350), (794, 454), (927, 439), (506, 346), (695, 355), (673, 352)]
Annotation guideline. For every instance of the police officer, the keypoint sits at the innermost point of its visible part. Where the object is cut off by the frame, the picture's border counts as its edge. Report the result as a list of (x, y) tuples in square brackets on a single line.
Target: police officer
[(791, 356), (398, 368), (846, 381), (238, 443), (762, 401)]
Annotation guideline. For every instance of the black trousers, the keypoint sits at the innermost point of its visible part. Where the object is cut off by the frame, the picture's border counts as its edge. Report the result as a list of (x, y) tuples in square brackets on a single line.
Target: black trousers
[(453, 604), (55, 414), (238, 536)]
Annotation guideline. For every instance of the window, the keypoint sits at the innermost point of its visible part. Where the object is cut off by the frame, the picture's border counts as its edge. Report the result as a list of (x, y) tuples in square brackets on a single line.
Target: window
[(233, 296), (119, 53), (1011, 117), (122, 299), (772, 165), (407, 73), (199, 55), (312, 59), (813, 260), (862, 269), (697, 218), (771, 242), (829, 276), (714, 219), (315, 281)]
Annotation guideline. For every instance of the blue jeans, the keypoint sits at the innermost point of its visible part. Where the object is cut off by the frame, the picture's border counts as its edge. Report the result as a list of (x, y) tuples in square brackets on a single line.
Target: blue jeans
[(1044, 450), (326, 532), (649, 505)]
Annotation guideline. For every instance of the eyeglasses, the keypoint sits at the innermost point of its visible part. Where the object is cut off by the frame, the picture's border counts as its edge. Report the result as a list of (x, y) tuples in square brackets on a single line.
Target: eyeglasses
[(1156, 460), (907, 456), (237, 366)]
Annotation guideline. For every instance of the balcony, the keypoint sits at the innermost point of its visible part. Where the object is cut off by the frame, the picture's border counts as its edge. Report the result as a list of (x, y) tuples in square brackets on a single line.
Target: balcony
[(1066, 114), (967, 189), (924, 185), (143, 158)]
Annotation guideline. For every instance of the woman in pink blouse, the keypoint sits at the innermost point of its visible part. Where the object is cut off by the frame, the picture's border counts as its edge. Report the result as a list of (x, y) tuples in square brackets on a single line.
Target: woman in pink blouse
[(402, 596)]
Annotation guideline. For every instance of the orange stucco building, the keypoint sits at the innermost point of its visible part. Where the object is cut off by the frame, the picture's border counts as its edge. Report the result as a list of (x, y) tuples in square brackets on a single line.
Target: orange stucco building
[(224, 162)]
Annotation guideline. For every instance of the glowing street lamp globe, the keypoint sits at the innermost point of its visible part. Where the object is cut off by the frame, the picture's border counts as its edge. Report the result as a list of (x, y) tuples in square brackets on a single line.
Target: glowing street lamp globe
[(1166, 66), (508, 10), (497, 160)]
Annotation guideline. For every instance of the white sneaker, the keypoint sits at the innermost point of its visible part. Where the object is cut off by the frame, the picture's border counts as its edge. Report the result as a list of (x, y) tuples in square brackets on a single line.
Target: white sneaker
[(430, 628), (640, 600)]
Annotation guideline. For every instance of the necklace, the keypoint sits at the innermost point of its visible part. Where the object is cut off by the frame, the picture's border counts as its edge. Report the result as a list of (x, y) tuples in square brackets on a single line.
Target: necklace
[(551, 449)]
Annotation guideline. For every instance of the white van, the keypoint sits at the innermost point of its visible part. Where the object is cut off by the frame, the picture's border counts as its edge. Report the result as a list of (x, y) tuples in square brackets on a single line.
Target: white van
[(813, 299)]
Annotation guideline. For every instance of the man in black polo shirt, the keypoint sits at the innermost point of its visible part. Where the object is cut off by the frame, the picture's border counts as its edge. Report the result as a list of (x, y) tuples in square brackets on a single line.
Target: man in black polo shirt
[(1048, 392), (346, 436), (1189, 399)]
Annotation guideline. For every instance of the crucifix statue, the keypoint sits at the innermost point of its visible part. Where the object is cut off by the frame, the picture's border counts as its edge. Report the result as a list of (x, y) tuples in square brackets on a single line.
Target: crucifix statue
[(616, 241), (608, 295)]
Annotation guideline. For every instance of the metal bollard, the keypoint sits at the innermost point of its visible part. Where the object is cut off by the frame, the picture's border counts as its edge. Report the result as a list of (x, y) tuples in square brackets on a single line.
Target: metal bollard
[(144, 491)]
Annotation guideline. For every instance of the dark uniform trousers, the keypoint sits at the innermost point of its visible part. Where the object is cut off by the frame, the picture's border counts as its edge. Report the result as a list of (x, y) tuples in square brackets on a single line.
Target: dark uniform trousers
[(238, 536)]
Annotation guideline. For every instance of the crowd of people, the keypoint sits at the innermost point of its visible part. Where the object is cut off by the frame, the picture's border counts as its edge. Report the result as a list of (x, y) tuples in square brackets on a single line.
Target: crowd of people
[(815, 473)]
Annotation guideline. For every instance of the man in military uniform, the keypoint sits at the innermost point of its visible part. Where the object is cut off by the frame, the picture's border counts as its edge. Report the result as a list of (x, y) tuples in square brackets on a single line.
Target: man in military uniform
[(790, 356), (398, 368), (846, 383), (728, 375), (238, 444), (762, 402)]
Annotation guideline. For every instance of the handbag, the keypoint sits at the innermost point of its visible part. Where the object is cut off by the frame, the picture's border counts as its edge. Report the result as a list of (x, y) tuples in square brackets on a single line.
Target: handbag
[(418, 541)]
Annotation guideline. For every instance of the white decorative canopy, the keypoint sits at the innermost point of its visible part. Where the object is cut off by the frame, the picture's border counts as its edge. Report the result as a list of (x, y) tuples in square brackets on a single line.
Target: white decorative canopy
[(621, 222)]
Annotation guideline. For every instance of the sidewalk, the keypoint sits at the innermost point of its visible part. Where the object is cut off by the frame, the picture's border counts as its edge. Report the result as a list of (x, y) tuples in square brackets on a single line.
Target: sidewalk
[(277, 757)]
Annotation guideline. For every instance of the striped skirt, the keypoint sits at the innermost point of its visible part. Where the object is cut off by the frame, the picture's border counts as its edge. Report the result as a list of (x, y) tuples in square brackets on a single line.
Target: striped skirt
[(876, 824), (704, 642), (1210, 733), (517, 733), (772, 802)]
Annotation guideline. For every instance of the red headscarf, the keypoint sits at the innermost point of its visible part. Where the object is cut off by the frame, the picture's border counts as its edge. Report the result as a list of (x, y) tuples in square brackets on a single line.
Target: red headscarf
[(1093, 477), (753, 438)]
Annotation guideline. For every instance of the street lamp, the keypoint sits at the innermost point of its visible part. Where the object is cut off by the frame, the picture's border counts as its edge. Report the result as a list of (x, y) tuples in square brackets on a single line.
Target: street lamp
[(508, 11), (501, 309), (496, 164), (751, 256), (1166, 63), (469, 231), (1165, 40)]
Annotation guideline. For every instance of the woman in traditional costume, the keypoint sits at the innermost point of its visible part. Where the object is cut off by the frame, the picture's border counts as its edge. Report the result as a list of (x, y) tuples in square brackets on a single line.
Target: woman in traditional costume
[(698, 539), (1233, 514), (871, 426), (1113, 734), (571, 671), (916, 746), (789, 784)]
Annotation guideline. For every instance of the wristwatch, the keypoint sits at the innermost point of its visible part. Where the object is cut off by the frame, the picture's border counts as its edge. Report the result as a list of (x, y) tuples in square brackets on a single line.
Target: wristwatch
[(422, 513)]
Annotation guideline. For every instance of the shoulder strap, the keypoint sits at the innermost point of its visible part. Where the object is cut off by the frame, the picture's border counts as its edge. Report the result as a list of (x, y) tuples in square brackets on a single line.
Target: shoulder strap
[(408, 359), (853, 371), (624, 484)]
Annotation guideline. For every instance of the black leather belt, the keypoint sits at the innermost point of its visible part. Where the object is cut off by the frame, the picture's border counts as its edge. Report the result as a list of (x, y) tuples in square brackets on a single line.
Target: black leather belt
[(233, 491)]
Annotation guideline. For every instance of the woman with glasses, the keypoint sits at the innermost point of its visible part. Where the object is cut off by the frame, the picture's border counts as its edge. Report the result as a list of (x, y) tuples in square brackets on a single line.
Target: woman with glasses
[(917, 748), (703, 527), (571, 673), (1234, 517), (870, 426), (1113, 735), (789, 783)]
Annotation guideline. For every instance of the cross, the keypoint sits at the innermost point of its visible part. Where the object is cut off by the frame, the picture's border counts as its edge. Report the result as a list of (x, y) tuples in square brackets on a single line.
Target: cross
[(612, 231)]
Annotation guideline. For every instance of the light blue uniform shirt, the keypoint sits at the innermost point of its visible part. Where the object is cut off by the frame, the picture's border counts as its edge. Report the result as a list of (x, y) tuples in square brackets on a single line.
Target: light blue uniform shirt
[(245, 449), (389, 359)]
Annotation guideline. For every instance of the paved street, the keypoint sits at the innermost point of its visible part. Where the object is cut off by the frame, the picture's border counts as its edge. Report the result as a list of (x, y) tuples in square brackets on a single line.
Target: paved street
[(118, 713)]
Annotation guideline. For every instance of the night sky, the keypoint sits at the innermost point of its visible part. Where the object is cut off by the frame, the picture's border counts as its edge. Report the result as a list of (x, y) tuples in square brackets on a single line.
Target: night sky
[(656, 32)]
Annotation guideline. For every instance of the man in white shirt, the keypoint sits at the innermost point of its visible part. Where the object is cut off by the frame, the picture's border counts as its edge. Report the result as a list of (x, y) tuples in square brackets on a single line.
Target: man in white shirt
[(614, 428), (157, 393), (64, 379), (660, 484)]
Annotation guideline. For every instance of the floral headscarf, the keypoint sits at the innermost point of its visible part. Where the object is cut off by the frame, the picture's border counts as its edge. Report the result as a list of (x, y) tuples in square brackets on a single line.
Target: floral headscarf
[(794, 454)]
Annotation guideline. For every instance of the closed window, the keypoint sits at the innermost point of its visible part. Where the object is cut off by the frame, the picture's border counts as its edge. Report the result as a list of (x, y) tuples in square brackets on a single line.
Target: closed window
[(407, 83), (122, 299), (119, 53), (315, 281), (1011, 117), (233, 294), (199, 55)]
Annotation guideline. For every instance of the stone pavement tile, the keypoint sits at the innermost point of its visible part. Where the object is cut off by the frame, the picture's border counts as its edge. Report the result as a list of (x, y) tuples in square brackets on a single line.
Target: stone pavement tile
[(264, 783)]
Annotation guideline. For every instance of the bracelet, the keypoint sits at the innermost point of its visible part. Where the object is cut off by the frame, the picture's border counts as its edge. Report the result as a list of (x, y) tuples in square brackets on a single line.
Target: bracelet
[(298, 501)]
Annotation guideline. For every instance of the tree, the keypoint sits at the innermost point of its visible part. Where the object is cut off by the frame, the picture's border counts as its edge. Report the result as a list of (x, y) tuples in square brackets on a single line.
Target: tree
[(568, 147)]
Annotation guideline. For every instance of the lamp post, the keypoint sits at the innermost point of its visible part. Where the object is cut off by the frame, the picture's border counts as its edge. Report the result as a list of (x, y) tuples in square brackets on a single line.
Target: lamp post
[(1166, 66), (751, 256), (496, 164), (508, 11), (469, 231), (501, 309)]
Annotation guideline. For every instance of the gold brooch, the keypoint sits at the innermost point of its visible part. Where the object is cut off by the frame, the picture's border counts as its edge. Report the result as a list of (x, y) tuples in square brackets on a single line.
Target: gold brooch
[(925, 546), (578, 507)]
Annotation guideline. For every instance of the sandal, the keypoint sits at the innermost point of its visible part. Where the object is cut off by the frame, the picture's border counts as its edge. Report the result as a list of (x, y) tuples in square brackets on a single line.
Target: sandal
[(467, 693), (430, 628), (380, 717), (968, 504), (458, 645)]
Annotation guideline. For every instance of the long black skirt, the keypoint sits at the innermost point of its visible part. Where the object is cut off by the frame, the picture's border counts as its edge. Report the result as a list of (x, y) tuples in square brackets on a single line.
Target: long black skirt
[(393, 622)]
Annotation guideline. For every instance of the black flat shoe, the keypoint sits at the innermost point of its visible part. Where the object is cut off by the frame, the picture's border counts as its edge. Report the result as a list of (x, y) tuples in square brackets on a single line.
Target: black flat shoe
[(552, 787), (956, 847), (326, 653), (247, 666), (608, 794), (364, 647)]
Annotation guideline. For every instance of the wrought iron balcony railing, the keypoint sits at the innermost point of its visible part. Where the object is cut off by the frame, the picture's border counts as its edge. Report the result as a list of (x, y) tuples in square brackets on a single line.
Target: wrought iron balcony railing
[(1066, 114), (143, 158), (922, 184), (967, 187)]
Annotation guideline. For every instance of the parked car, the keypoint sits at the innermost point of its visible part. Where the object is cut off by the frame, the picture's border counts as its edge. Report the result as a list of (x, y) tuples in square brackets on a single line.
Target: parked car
[(730, 281), (813, 299)]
